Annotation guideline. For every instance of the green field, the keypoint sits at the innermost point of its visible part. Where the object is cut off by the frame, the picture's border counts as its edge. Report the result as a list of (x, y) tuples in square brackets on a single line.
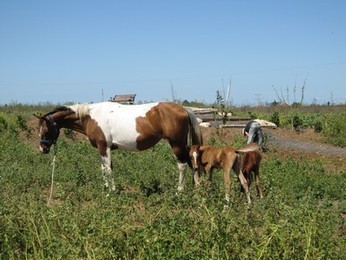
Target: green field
[(301, 217)]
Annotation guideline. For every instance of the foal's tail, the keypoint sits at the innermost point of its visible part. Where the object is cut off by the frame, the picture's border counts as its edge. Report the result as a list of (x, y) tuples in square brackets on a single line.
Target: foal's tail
[(249, 148), (194, 135)]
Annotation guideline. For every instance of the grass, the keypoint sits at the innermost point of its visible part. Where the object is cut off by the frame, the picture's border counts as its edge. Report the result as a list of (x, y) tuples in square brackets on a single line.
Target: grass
[(301, 217)]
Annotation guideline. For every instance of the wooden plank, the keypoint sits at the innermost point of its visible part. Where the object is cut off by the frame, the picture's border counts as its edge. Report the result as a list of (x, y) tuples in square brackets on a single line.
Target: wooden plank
[(241, 126), (220, 118)]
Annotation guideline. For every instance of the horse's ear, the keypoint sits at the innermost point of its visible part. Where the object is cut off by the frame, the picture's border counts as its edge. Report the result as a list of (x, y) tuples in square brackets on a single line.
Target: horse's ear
[(38, 115), (202, 148)]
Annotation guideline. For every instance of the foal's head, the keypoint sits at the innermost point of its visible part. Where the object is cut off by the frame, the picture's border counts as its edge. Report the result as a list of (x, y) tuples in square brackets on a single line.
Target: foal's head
[(194, 155)]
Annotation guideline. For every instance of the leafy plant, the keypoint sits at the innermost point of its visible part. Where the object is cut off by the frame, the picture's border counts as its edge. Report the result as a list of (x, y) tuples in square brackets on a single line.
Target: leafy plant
[(296, 122), (275, 118), (318, 127), (147, 219)]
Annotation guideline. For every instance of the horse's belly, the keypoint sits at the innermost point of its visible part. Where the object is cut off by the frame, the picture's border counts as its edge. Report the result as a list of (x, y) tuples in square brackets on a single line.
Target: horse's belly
[(125, 145), (125, 140)]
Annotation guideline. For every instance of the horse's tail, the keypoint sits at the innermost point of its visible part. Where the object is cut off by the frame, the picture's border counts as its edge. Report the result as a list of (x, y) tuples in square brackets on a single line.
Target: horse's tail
[(194, 135)]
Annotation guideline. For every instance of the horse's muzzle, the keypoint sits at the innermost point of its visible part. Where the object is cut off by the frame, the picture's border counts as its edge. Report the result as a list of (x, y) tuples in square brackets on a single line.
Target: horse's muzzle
[(45, 149)]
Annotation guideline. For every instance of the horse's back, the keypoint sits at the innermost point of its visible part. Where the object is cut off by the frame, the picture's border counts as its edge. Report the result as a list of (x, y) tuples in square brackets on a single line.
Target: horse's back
[(118, 122), (138, 127)]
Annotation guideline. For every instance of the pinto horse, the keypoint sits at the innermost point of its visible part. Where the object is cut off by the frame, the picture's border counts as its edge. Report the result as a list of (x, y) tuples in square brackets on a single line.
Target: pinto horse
[(111, 126)]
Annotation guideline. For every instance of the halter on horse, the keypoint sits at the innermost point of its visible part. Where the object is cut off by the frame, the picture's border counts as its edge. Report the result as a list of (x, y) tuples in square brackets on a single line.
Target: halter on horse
[(114, 126)]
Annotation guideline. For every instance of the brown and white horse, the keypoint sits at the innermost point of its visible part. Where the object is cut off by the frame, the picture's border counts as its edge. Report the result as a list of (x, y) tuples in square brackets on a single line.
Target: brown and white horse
[(207, 158), (111, 126)]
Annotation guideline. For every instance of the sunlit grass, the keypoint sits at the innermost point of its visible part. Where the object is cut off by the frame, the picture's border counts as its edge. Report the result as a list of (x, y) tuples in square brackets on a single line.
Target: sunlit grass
[(301, 216)]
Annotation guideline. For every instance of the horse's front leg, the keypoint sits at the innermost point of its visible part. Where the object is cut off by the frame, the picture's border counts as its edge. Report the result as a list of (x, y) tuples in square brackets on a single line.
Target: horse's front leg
[(106, 167), (182, 171)]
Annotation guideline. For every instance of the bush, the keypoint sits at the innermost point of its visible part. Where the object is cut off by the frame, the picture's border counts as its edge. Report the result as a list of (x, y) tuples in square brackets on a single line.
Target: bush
[(334, 129), (3, 124), (296, 122), (275, 118), (318, 127)]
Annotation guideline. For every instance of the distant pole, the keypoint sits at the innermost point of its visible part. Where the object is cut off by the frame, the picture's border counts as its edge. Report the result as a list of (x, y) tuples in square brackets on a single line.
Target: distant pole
[(228, 93), (102, 95), (172, 92)]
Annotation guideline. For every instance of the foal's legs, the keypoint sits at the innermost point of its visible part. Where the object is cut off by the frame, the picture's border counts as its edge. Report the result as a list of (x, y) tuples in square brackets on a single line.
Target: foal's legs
[(226, 176), (244, 183), (258, 184), (196, 177)]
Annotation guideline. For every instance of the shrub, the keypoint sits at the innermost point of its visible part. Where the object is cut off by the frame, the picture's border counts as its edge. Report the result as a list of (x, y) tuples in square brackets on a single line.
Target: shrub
[(275, 118), (334, 129), (296, 122), (3, 124), (318, 127)]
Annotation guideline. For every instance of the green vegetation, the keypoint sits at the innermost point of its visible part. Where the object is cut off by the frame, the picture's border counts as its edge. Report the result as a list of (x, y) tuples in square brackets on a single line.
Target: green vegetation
[(301, 217)]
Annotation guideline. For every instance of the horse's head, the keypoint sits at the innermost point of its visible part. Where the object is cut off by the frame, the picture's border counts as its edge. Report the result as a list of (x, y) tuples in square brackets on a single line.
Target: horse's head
[(49, 132)]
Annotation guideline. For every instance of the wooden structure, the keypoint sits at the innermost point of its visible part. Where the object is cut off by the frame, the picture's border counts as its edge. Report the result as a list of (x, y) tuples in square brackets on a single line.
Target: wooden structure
[(124, 99)]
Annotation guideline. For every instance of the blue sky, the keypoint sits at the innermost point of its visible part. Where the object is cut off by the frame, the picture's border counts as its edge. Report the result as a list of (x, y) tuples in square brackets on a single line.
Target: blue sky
[(72, 51)]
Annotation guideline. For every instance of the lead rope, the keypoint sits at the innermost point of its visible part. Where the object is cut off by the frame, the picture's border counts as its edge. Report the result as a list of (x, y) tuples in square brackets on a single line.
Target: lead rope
[(52, 178)]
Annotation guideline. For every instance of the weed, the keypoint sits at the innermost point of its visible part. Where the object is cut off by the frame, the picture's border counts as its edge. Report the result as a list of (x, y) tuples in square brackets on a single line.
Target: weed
[(146, 218)]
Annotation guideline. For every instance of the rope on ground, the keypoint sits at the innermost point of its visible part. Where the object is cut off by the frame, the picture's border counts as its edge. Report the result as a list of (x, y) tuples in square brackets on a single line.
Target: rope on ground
[(52, 178)]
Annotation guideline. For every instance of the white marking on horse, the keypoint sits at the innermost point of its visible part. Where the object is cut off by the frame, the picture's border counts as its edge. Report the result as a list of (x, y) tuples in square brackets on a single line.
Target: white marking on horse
[(108, 117)]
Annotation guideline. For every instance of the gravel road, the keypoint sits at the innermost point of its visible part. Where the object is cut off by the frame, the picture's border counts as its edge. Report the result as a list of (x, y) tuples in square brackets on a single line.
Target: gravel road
[(277, 140)]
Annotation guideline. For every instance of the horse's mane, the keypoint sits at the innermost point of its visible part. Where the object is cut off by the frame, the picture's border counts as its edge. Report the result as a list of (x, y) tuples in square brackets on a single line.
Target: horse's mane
[(57, 109), (82, 110)]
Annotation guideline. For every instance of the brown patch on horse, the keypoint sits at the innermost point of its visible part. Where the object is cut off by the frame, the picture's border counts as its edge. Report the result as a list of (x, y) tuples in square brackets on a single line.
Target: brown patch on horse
[(160, 122), (95, 135)]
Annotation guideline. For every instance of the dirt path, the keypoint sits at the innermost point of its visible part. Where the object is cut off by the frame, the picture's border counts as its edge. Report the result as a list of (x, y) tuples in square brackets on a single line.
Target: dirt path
[(280, 140)]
